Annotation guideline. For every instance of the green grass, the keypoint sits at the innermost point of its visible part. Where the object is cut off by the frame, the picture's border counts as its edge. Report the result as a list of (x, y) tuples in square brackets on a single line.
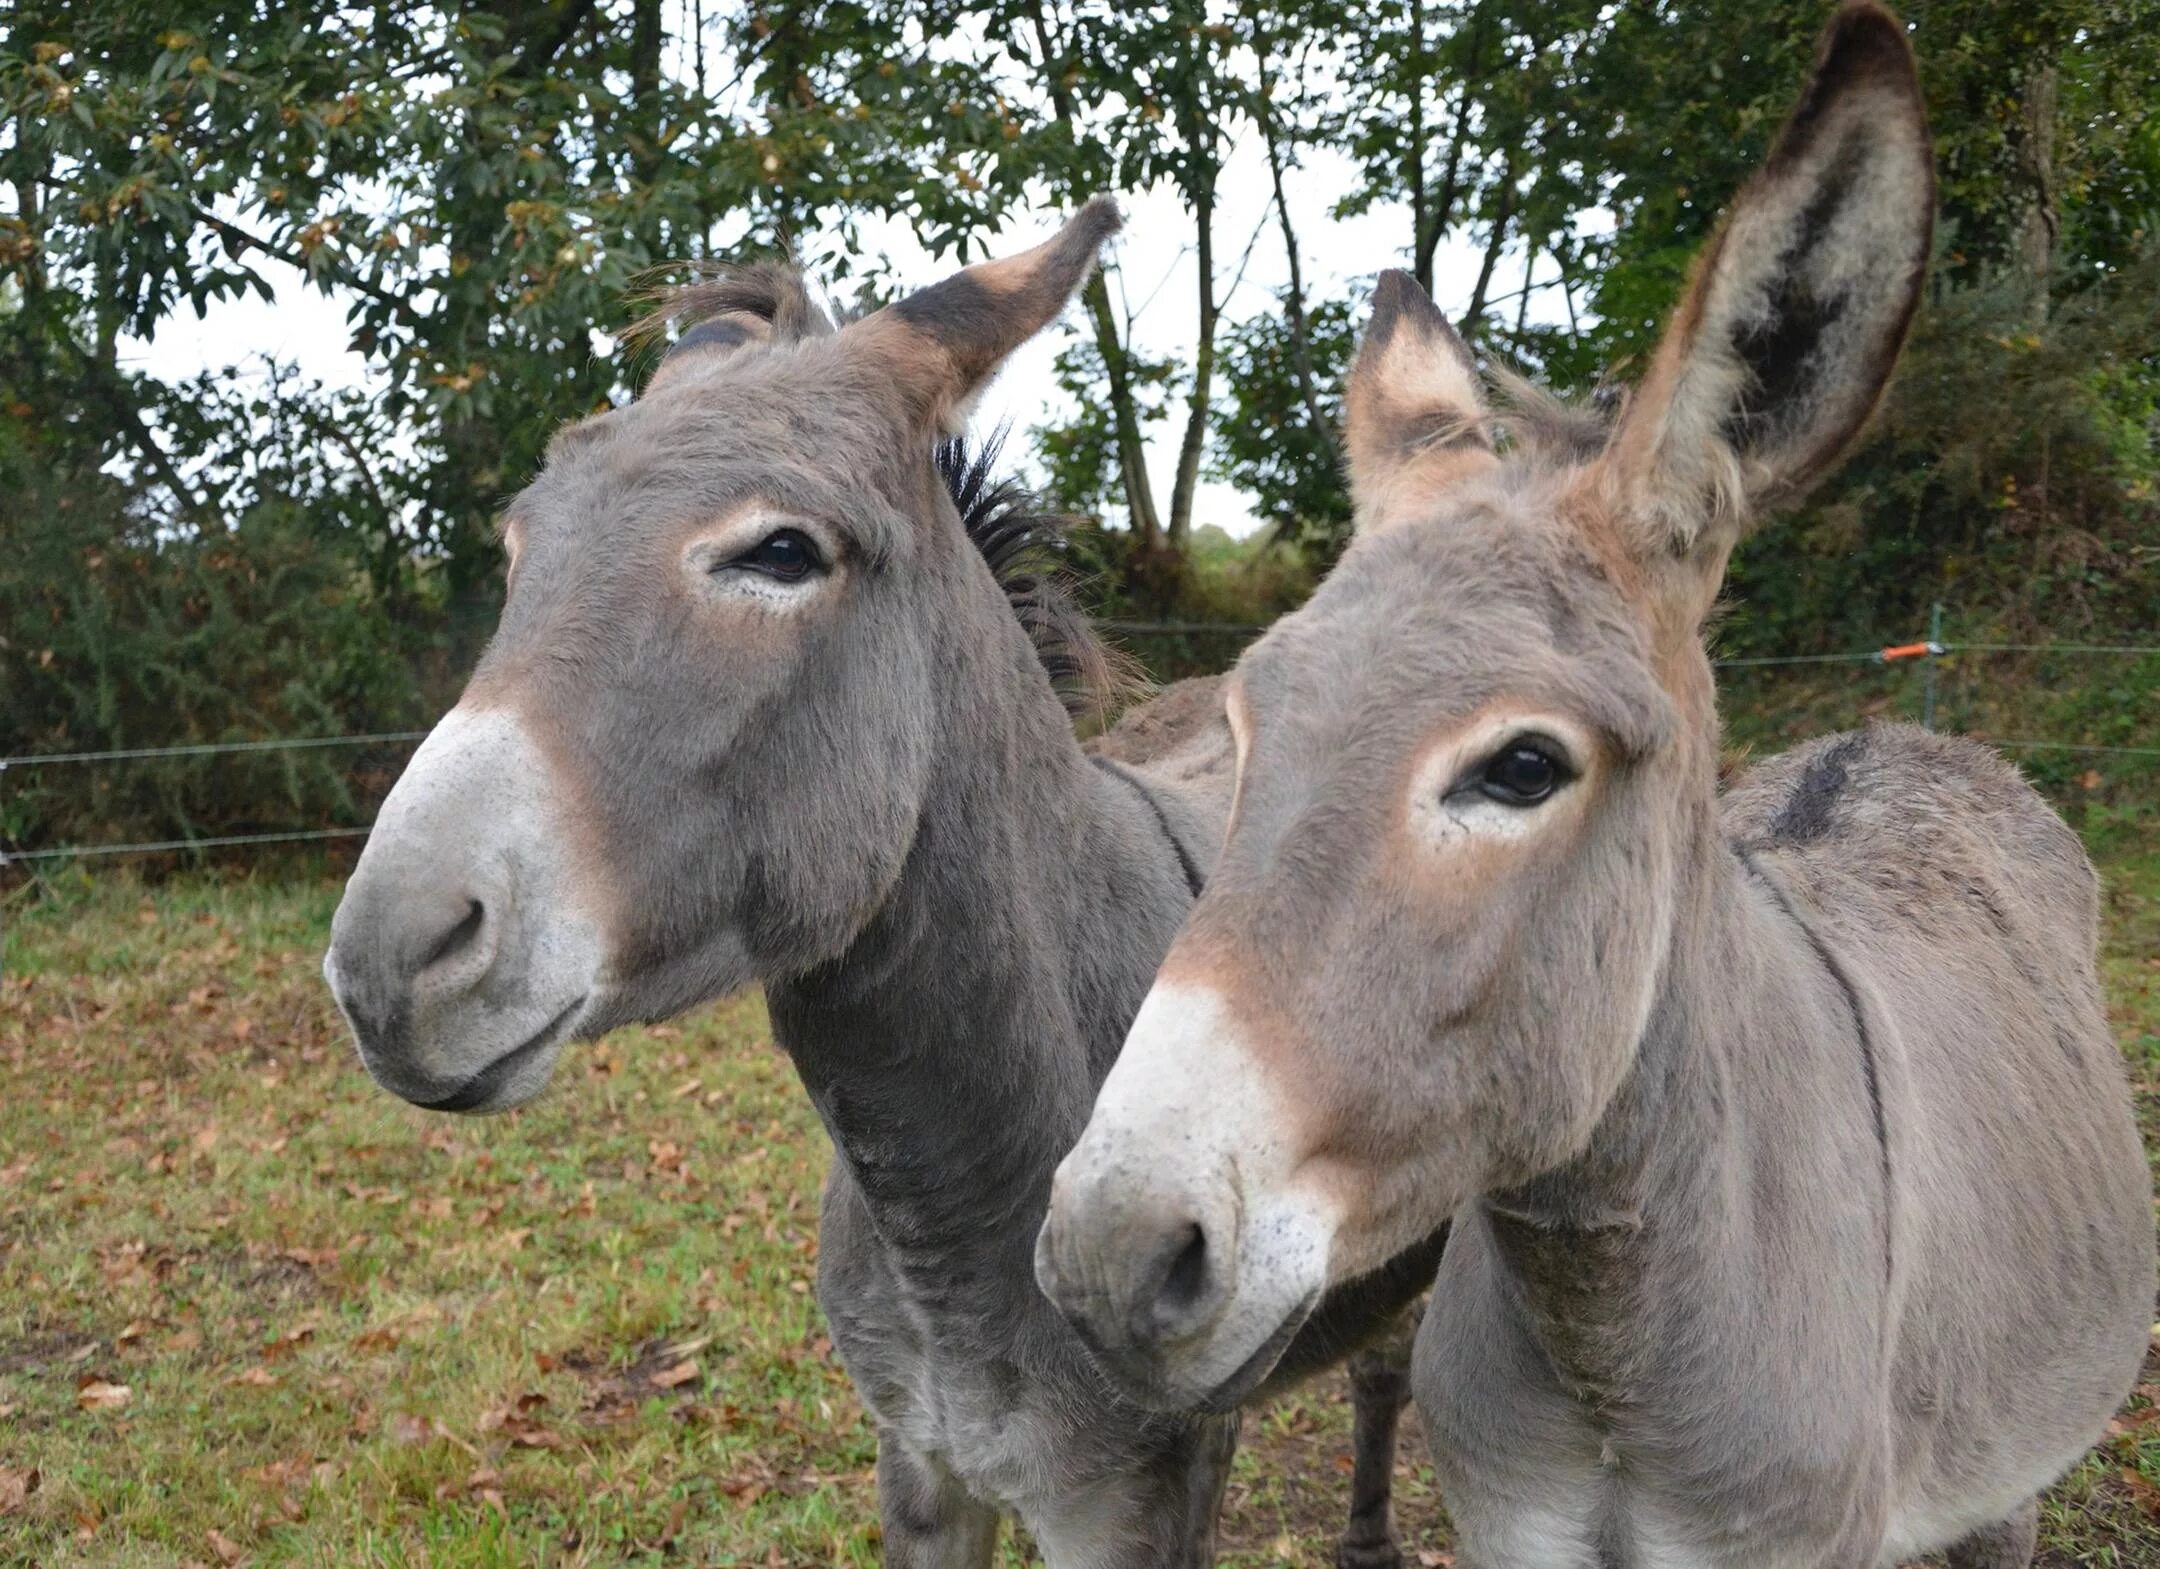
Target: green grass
[(353, 1333)]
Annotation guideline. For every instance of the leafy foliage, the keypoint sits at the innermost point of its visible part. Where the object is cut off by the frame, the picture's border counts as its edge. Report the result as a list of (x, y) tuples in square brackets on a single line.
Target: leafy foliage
[(482, 187)]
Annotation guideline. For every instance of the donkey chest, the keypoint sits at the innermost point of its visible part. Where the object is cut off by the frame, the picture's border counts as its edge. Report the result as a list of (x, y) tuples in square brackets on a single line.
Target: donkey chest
[(1605, 1448), (941, 1385)]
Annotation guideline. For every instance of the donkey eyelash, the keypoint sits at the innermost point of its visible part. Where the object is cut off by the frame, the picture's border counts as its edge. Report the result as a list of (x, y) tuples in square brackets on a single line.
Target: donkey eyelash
[(1526, 770)]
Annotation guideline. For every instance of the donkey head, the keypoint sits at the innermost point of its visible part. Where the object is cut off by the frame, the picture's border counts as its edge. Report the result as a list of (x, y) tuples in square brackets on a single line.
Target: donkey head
[(696, 750), (1475, 774)]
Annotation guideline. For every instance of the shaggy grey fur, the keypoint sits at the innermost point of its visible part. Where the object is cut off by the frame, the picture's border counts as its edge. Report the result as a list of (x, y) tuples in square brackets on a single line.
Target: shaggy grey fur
[(869, 799), (1800, 1215)]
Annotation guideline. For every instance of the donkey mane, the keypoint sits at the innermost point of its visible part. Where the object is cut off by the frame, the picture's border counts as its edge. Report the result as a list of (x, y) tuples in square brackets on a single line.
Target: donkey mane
[(1018, 539), (1548, 428)]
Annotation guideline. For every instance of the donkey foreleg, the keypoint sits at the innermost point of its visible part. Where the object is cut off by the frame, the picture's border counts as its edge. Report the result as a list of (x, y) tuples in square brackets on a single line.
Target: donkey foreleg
[(2006, 1545), (1379, 1389), (928, 1519), (1159, 1516)]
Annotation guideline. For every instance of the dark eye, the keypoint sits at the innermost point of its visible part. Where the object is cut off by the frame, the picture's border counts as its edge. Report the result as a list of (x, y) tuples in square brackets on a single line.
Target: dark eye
[(787, 554), (1522, 773)]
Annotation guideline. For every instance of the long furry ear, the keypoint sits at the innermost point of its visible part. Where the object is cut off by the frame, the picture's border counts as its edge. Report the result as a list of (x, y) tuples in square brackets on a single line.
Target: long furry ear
[(733, 309), (942, 344), (1787, 335), (1414, 421)]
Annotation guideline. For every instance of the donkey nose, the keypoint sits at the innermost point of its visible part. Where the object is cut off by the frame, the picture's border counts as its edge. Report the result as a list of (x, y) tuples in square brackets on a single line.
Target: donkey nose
[(457, 958), (1177, 1288), (400, 948), (1134, 1272)]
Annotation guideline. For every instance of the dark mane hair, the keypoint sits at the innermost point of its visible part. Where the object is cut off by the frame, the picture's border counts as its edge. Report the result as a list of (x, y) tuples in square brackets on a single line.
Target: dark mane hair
[(1019, 542)]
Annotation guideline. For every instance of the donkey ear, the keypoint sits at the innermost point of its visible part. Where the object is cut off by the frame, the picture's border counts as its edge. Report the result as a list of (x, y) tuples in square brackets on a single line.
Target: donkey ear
[(1797, 310), (734, 310), (944, 343), (1414, 419)]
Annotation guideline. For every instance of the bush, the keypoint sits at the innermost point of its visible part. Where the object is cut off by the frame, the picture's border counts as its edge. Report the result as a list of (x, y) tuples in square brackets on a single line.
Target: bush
[(117, 634)]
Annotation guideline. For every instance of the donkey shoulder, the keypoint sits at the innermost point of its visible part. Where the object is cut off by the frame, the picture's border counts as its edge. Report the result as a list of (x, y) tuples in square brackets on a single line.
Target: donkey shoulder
[(1170, 720), (1177, 748), (1928, 821)]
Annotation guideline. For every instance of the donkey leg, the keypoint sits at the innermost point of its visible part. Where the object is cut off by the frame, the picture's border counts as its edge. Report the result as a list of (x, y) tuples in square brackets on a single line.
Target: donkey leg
[(1379, 1389), (1160, 1514), (2006, 1545), (928, 1519)]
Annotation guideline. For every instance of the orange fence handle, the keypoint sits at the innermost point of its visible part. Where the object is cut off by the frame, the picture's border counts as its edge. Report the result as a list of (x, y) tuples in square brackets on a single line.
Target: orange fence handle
[(1908, 651)]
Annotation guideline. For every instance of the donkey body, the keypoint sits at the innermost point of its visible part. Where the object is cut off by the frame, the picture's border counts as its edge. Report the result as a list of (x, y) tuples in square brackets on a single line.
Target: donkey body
[(1858, 1257), (761, 710), (1800, 1216)]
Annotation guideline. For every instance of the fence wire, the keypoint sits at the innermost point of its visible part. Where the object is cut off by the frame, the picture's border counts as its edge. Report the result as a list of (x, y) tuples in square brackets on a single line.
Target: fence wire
[(1930, 651), (209, 749)]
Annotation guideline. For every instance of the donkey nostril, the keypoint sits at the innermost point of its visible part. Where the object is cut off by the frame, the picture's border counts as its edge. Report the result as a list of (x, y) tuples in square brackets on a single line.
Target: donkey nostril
[(457, 938), (1187, 1287)]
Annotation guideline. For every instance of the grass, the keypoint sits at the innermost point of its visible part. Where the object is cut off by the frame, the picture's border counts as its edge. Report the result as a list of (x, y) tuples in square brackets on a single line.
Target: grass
[(254, 1311)]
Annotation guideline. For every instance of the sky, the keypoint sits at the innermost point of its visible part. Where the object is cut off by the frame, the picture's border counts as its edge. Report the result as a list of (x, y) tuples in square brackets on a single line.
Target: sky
[(1152, 270)]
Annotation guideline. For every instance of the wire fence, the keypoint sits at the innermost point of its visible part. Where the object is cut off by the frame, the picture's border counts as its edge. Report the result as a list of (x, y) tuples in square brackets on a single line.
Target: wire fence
[(1932, 649)]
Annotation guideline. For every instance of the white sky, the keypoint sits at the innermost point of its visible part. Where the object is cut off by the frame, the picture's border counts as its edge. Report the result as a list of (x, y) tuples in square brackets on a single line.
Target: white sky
[(1153, 270)]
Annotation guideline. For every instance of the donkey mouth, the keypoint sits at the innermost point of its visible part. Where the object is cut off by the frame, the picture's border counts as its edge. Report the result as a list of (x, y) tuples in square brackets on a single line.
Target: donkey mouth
[(1146, 1377), (484, 1088), (1235, 1390)]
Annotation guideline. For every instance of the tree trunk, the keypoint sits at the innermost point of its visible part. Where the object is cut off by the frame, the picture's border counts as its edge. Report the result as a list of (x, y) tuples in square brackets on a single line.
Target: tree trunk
[(1124, 415), (1203, 387), (646, 39), (1495, 243), (1420, 219), (1301, 364), (2039, 222), (1145, 521), (1434, 223)]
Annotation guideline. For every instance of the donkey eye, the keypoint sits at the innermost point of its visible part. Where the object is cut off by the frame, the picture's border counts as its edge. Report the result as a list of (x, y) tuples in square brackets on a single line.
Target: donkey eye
[(1522, 773), (787, 554)]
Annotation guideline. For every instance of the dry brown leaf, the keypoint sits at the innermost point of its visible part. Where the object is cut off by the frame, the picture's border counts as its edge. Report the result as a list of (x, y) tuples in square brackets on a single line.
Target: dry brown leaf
[(97, 1394), (227, 1550), (16, 1487), (259, 1376), (680, 1373), (2144, 1490)]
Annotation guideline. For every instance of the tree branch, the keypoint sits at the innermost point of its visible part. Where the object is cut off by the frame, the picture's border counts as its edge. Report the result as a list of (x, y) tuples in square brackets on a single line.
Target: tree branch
[(549, 35), (236, 235), (1301, 364)]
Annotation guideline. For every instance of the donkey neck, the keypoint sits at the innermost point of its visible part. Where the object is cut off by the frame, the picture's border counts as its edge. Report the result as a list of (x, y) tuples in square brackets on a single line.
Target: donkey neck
[(1693, 1188), (955, 1049)]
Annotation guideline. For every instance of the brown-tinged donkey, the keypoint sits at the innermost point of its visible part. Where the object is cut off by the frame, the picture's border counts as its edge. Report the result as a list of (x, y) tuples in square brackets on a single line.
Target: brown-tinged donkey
[(773, 700), (1800, 1217)]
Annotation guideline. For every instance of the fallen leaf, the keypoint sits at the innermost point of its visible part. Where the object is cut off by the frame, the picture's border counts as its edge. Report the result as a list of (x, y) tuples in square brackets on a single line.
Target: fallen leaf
[(261, 1377), (680, 1373), (16, 1487), (227, 1550), (2144, 1490), (96, 1394)]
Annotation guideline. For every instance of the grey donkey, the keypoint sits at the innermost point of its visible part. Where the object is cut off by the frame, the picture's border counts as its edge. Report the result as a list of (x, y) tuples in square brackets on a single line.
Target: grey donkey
[(1800, 1216), (760, 710)]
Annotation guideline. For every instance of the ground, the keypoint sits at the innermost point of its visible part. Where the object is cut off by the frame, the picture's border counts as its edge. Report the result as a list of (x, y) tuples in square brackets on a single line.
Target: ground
[(254, 1311)]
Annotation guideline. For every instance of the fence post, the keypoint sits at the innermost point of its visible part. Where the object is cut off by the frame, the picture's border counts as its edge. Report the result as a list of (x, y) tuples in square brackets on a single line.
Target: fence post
[(1935, 653), (3, 867)]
